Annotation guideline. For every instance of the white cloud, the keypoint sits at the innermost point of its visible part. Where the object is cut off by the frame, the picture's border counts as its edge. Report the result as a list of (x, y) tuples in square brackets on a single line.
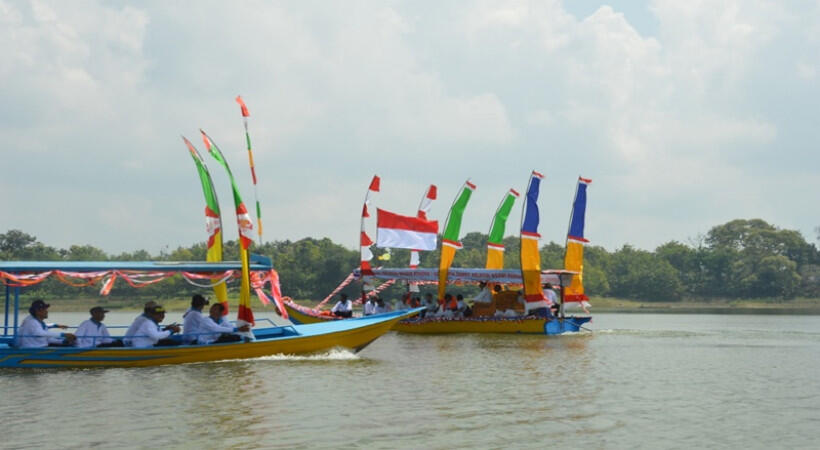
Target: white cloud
[(692, 116)]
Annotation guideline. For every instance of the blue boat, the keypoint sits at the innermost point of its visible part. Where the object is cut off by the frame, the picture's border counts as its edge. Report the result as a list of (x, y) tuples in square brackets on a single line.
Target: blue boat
[(353, 335)]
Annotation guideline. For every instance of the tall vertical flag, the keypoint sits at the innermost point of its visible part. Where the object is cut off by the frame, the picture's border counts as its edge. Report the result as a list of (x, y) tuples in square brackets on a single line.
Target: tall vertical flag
[(449, 241), (495, 241), (530, 258), (213, 220), (245, 226), (365, 255), (424, 208), (245, 115), (574, 257)]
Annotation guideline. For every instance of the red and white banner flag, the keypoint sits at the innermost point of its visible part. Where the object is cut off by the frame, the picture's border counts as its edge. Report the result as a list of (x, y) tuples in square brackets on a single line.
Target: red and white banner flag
[(395, 231)]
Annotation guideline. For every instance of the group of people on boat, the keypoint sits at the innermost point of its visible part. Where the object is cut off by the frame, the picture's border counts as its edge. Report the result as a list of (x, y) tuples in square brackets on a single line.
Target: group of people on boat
[(145, 331), (491, 300), (373, 305)]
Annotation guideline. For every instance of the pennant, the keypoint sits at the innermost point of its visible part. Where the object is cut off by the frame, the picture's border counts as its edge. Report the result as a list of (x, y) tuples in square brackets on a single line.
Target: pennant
[(574, 256), (452, 228), (213, 220), (245, 227)]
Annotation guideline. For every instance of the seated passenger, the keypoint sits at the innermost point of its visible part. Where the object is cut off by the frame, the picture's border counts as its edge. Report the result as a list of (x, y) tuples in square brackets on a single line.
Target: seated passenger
[(431, 305), (93, 333), (34, 333), (343, 308), (369, 306), (484, 295), (463, 308), (193, 319), (217, 329), (381, 307), (145, 331)]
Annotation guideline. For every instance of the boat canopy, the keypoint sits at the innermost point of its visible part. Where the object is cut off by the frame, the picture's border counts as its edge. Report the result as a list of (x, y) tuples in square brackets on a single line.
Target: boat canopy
[(258, 263), (468, 275)]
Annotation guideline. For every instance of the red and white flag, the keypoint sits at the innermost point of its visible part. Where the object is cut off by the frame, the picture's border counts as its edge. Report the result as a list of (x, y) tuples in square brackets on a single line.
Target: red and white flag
[(395, 231)]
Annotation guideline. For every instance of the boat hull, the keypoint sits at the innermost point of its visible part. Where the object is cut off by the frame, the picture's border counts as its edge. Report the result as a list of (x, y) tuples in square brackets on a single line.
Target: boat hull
[(502, 325), (300, 315), (522, 325), (354, 334)]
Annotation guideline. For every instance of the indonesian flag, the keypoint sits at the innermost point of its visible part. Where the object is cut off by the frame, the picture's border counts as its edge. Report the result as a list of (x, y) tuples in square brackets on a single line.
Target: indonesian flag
[(397, 231)]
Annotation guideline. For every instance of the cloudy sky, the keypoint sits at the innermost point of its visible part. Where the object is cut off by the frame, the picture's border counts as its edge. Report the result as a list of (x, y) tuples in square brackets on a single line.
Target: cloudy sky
[(685, 114)]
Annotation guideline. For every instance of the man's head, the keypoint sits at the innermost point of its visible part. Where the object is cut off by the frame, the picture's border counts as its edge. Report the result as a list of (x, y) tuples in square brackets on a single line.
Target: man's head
[(216, 311), (149, 306), (98, 313), (460, 297), (497, 288), (156, 313), (343, 296), (39, 309), (547, 286), (198, 302)]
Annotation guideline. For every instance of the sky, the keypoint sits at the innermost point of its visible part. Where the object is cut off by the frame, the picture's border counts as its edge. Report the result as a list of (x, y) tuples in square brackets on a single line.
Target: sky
[(685, 115)]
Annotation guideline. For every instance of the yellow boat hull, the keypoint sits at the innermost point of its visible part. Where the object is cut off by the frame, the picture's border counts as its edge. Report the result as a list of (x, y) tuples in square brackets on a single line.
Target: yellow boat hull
[(522, 325), (354, 334), (297, 315)]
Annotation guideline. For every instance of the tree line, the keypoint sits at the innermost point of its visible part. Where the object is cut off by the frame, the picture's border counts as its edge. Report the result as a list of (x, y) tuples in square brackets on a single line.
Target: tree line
[(741, 259)]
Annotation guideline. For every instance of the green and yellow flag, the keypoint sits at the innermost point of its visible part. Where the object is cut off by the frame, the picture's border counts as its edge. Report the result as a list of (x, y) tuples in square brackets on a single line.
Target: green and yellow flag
[(449, 241), (245, 226), (495, 241), (213, 219)]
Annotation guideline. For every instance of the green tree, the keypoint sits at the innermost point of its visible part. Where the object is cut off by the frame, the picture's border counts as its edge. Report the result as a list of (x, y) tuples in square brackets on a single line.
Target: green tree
[(641, 275)]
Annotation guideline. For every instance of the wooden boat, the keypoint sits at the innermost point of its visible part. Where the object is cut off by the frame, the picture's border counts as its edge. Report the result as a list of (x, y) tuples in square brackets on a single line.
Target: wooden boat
[(485, 318), (442, 325), (353, 334)]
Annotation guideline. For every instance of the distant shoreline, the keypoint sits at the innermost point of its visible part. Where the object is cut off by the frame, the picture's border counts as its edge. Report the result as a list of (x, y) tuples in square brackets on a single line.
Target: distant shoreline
[(796, 306)]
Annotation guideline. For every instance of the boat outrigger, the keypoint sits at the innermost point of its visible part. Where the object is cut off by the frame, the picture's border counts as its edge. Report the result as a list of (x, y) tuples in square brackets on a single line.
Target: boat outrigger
[(290, 340)]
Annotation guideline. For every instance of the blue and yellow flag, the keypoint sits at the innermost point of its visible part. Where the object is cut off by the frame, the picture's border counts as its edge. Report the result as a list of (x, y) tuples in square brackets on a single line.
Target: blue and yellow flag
[(574, 257)]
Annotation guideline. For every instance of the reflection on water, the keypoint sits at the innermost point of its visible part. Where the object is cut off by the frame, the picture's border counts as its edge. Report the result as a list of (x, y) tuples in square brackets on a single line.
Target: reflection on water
[(653, 381)]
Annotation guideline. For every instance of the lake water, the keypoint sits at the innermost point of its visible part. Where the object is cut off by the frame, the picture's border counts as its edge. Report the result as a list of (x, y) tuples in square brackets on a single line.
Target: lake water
[(636, 381)]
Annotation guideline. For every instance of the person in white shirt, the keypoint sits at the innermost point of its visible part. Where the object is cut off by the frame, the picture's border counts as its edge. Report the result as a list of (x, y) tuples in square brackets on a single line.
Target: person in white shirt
[(218, 329), (432, 305), (34, 333), (381, 307), (199, 328), (145, 331), (484, 295), (343, 308), (93, 333), (369, 306), (552, 299), (203, 329)]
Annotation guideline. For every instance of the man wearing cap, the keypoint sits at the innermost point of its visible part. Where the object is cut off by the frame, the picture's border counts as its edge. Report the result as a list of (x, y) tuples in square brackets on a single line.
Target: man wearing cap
[(203, 329), (93, 333), (146, 332), (34, 333)]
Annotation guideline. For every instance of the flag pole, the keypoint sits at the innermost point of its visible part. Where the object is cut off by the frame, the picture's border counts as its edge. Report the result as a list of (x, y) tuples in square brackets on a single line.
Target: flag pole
[(245, 115)]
